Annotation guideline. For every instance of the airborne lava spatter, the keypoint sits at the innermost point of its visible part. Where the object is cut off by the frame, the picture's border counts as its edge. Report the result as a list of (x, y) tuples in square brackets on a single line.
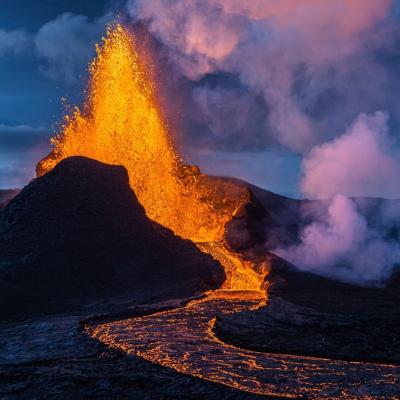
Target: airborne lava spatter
[(121, 123)]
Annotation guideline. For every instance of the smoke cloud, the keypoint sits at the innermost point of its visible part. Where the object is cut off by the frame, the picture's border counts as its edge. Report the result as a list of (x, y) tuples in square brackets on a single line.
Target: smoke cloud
[(352, 239), (361, 162), (343, 245), (314, 64), (63, 46)]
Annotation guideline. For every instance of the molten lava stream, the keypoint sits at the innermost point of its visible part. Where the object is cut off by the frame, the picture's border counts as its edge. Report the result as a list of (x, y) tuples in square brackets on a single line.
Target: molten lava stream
[(121, 123), (184, 339)]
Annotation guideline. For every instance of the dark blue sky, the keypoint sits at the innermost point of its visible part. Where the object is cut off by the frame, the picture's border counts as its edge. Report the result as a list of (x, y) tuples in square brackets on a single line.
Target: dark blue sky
[(27, 96), (31, 88)]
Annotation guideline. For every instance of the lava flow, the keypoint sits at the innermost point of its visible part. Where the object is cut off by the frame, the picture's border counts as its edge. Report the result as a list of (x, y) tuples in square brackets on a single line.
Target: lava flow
[(184, 339), (121, 123)]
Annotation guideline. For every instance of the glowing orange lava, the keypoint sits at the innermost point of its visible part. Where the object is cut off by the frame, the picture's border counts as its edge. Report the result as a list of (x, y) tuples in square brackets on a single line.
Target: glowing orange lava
[(121, 123)]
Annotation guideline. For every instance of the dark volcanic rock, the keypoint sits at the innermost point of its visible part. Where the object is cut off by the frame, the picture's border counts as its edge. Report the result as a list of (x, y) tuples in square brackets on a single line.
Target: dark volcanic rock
[(247, 228), (80, 232), (267, 221), (279, 220)]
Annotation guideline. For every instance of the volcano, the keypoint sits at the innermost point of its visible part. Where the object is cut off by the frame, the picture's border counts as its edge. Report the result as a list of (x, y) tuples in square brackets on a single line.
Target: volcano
[(79, 233), (121, 123)]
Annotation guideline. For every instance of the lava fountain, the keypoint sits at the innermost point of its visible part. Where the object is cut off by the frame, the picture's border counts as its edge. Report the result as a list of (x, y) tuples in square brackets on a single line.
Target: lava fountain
[(121, 123)]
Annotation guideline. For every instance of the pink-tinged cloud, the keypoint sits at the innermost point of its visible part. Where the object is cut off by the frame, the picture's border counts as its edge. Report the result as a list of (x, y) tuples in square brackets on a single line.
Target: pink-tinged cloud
[(266, 43), (353, 15), (342, 246), (361, 162), (341, 242)]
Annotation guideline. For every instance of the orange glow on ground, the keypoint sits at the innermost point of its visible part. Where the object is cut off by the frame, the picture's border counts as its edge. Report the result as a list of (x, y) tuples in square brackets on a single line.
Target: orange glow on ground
[(121, 123)]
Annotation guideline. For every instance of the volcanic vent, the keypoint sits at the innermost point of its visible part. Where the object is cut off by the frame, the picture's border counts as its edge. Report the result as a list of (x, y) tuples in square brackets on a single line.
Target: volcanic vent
[(121, 123)]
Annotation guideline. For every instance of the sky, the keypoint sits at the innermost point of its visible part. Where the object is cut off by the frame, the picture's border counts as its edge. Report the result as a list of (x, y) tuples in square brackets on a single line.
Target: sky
[(33, 81), (290, 95)]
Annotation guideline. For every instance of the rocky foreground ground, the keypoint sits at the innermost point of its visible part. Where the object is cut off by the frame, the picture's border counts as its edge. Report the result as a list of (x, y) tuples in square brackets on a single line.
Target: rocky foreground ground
[(50, 357)]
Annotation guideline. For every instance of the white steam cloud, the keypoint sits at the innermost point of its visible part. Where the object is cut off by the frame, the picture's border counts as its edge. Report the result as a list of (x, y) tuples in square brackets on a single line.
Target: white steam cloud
[(342, 246), (343, 242), (361, 162)]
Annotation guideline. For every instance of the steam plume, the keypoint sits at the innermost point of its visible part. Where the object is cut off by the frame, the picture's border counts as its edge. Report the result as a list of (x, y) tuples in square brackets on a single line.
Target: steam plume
[(359, 163), (356, 240)]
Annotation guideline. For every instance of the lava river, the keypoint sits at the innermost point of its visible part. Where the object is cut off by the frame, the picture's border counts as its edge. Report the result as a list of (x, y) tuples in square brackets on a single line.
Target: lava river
[(183, 339)]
